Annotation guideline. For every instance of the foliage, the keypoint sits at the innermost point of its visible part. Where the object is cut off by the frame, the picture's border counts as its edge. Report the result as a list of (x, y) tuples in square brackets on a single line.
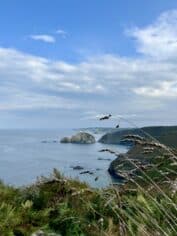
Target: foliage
[(68, 207)]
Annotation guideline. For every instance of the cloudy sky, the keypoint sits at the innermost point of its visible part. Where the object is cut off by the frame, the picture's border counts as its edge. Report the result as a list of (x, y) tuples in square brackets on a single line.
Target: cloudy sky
[(63, 62)]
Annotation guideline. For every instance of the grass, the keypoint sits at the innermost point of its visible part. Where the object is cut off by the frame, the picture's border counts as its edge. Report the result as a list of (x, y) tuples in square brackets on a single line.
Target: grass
[(68, 207)]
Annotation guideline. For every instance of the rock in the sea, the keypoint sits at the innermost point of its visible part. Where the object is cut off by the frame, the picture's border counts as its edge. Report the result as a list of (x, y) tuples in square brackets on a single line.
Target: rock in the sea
[(86, 172), (79, 138), (65, 140), (103, 159), (77, 167), (44, 141)]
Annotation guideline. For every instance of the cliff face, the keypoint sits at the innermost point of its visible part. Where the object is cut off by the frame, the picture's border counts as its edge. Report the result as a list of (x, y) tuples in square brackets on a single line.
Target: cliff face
[(165, 134)]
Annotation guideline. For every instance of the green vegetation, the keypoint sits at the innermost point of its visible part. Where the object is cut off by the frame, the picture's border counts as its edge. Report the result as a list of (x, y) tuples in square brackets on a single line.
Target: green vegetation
[(158, 163), (68, 207), (165, 134)]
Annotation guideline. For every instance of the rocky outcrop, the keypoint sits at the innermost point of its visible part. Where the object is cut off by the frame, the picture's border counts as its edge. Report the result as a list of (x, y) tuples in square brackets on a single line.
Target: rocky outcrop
[(65, 140), (77, 167), (79, 138)]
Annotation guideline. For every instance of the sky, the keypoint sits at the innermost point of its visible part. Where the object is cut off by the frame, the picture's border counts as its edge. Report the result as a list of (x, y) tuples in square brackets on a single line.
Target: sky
[(64, 63)]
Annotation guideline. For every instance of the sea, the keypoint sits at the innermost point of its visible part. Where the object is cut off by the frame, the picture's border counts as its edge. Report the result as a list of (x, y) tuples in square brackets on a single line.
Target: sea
[(28, 154)]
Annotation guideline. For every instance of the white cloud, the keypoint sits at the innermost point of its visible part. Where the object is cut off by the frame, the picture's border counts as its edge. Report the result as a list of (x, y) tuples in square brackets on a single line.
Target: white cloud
[(106, 83), (158, 40), (165, 89), (62, 33), (99, 83), (43, 37), (32, 101), (28, 81)]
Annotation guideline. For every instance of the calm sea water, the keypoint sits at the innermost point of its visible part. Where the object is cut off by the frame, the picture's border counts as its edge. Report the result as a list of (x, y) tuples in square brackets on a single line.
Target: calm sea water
[(24, 156)]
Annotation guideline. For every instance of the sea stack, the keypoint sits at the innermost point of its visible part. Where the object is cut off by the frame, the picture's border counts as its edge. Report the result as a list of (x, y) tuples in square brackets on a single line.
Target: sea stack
[(79, 138)]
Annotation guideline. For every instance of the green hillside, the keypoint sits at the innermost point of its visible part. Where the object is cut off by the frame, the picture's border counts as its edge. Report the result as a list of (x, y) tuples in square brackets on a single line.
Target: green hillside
[(57, 206), (165, 134)]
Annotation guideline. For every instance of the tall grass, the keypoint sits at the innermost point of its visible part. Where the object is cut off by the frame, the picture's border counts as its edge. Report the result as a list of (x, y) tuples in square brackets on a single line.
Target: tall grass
[(69, 207)]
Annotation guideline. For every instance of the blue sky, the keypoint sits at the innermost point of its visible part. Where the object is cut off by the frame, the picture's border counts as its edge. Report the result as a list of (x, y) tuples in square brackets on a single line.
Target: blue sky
[(63, 63)]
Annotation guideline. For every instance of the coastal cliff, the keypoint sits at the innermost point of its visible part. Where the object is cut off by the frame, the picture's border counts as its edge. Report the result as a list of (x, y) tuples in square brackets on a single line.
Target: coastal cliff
[(165, 134), (146, 155)]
